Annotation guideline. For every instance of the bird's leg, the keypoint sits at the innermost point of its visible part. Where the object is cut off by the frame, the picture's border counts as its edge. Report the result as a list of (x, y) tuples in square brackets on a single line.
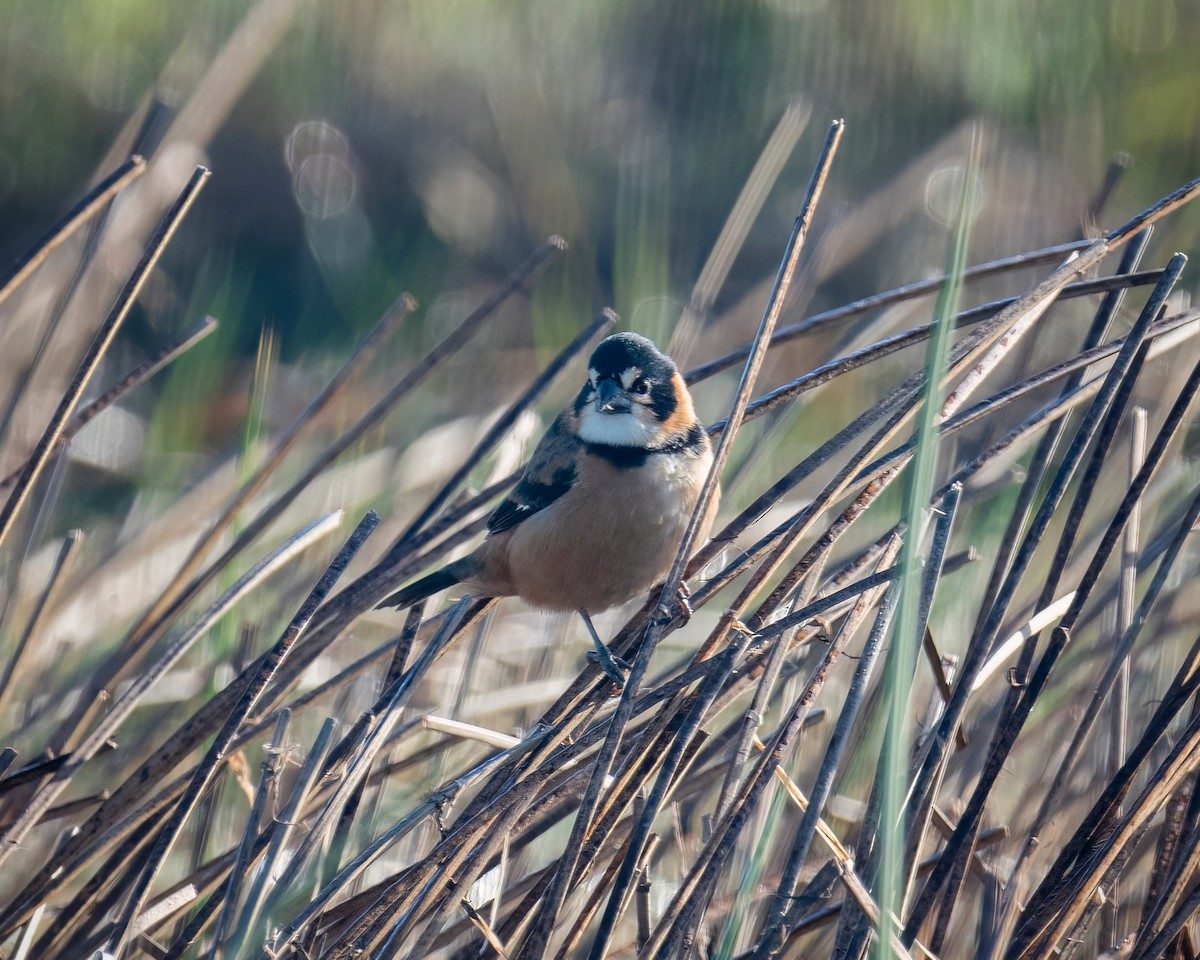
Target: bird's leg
[(615, 668)]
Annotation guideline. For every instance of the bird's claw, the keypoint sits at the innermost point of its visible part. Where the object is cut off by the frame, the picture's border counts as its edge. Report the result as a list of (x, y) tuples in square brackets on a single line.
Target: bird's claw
[(685, 602), (680, 610), (614, 668)]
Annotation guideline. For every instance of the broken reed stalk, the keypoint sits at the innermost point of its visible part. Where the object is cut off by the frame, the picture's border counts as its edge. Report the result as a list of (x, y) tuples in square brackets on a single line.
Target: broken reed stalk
[(1071, 459), (1181, 761), (70, 542), (71, 221), (1051, 885), (248, 928), (264, 800), (428, 809), (1130, 259), (823, 374), (363, 737), (15, 832), (773, 925), (154, 620), (736, 228), (1119, 654), (95, 352), (889, 298), (207, 769), (122, 388), (977, 352), (375, 727), (1010, 717), (354, 366), (978, 649)]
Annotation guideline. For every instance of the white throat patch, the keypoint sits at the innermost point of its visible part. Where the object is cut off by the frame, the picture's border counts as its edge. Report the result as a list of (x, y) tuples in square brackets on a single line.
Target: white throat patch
[(614, 429)]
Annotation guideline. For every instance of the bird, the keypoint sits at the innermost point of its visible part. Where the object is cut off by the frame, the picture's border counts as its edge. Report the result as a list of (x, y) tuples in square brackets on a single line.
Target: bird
[(602, 504)]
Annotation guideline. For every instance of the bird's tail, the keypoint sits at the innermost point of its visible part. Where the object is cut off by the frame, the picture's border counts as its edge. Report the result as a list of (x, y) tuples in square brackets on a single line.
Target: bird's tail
[(420, 589)]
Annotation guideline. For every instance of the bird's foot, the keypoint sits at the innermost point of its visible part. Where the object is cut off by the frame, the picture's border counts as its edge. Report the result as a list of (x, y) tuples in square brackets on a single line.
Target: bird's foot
[(685, 602), (614, 668)]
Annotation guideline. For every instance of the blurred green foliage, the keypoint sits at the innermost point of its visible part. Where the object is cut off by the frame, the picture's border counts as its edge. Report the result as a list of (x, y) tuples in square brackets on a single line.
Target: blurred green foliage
[(403, 145)]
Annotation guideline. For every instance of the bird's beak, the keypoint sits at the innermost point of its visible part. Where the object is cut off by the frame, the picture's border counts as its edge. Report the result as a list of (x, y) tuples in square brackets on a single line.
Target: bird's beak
[(610, 398)]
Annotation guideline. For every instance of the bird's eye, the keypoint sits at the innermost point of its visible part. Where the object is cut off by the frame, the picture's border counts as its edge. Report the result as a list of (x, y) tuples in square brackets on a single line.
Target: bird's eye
[(640, 386)]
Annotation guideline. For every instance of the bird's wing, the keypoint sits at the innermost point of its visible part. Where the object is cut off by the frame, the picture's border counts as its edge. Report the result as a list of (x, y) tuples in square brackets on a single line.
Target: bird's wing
[(549, 474)]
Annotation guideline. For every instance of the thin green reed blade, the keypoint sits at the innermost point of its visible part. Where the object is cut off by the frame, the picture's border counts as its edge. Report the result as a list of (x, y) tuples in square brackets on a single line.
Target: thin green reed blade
[(906, 642)]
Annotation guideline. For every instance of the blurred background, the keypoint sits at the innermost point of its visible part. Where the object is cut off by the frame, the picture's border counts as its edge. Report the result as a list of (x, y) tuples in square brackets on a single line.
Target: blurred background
[(375, 146)]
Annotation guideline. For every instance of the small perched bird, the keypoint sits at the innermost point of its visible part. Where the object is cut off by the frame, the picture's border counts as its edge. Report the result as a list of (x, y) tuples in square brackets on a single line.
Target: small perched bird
[(603, 503)]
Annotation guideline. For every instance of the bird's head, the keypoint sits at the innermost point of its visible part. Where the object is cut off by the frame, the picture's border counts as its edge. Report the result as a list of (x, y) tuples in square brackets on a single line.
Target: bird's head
[(634, 396)]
